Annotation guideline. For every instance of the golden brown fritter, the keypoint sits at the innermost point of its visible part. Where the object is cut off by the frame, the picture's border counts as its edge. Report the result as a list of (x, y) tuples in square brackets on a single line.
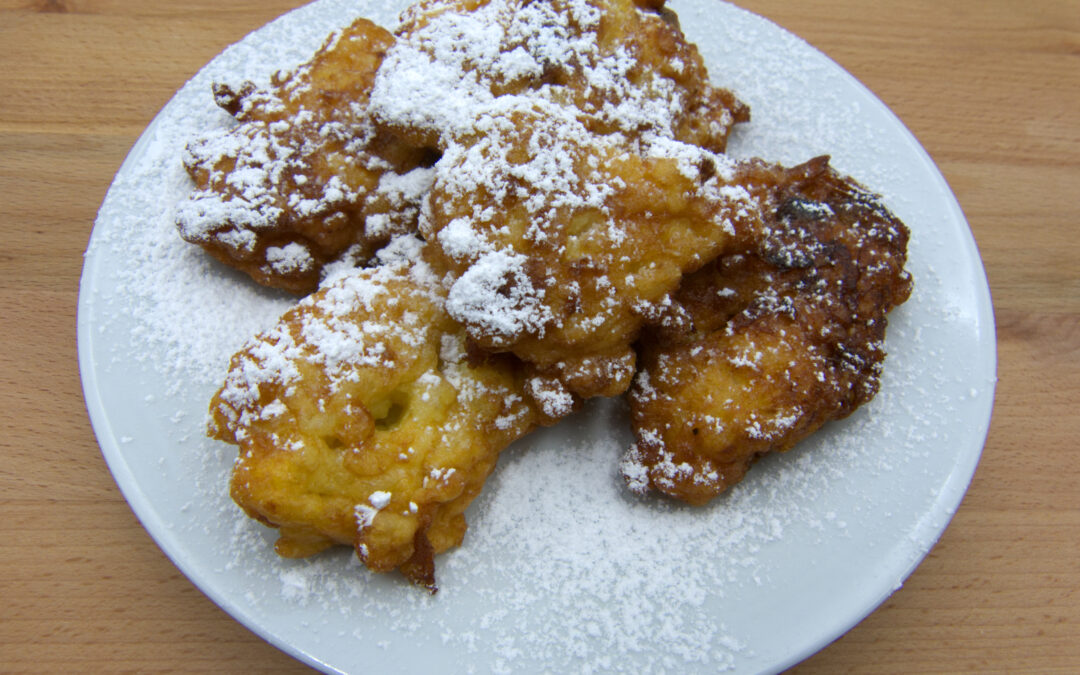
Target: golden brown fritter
[(562, 242), (304, 175), (767, 344), (642, 43), (362, 420), (627, 69)]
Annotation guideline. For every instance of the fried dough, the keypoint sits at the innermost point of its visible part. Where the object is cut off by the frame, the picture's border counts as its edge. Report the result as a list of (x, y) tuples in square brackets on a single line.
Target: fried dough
[(626, 69), (304, 176), (361, 419), (766, 345), (561, 242)]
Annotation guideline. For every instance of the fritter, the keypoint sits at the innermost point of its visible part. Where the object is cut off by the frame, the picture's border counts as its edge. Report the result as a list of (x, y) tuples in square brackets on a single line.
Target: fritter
[(363, 420), (305, 175), (766, 345), (561, 243), (625, 66)]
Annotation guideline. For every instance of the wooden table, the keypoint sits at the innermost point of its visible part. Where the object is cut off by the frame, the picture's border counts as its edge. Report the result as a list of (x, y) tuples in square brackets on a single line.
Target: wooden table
[(990, 87)]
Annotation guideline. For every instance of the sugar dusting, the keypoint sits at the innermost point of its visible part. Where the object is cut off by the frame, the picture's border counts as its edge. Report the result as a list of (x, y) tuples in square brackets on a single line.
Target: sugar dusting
[(561, 569)]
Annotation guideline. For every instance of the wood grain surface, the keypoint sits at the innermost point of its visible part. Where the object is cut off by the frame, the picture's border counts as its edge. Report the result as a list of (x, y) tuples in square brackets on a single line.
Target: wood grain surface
[(990, 87)]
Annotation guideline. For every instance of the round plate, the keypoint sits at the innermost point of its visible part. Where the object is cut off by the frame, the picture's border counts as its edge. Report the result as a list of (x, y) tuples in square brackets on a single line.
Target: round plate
[(561, 569)]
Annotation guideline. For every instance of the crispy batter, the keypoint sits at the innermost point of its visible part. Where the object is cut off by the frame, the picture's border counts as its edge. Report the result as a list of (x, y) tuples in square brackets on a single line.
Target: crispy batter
[(362, 421), (304, 175), (763, 347), (562, 242), (624, 65)]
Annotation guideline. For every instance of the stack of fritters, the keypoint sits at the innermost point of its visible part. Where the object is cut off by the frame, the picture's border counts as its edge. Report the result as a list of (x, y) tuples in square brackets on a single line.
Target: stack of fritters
[(548, 182)]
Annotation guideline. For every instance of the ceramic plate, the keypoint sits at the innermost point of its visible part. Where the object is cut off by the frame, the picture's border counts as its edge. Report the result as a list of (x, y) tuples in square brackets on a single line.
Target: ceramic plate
[(561, 569)]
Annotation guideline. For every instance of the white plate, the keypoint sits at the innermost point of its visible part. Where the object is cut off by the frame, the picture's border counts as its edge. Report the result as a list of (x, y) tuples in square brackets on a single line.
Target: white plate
[(561, 570)]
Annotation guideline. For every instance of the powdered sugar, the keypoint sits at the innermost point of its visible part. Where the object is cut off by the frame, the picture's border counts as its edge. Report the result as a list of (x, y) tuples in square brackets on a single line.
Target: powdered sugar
[(289, 258), (497, 294)]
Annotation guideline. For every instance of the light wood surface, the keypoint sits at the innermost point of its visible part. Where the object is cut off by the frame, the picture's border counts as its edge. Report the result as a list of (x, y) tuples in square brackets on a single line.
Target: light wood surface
[(990, 87)]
